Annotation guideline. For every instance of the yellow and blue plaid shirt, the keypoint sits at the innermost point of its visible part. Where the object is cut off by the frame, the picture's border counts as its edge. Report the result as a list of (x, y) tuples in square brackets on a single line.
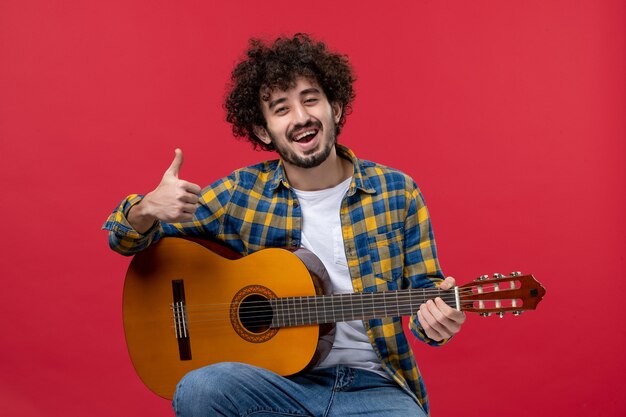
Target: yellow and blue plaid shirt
[(386, 228)]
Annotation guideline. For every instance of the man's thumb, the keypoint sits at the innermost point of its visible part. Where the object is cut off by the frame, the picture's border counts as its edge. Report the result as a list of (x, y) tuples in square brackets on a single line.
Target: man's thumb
[(176, 163)]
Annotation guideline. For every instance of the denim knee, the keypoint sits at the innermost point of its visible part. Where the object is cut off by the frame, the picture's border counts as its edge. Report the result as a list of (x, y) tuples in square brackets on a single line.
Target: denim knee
[(204, 390)]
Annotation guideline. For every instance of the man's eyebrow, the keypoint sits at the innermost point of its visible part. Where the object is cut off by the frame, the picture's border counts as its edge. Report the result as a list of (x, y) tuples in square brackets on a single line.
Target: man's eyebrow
[(276, 102), (310, 90)]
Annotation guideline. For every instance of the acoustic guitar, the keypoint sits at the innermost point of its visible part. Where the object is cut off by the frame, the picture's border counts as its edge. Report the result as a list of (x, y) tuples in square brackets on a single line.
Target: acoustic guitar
[(188, 304)]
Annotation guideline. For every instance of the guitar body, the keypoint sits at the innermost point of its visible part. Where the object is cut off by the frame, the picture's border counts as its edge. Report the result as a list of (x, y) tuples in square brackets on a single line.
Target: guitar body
[(164, 346)]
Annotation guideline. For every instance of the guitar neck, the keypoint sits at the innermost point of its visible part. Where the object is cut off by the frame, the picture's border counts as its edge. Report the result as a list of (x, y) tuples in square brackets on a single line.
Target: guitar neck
[(301, 311)]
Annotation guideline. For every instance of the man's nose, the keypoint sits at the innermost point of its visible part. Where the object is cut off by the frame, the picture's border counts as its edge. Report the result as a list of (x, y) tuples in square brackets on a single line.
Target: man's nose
[(301, 116)]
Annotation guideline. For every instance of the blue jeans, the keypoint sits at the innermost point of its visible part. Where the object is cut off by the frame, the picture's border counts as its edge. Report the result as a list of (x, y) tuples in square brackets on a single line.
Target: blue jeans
[(235, 389)]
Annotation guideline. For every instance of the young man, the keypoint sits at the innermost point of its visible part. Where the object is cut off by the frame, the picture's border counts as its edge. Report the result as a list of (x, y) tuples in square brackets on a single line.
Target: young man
[(366, 222)]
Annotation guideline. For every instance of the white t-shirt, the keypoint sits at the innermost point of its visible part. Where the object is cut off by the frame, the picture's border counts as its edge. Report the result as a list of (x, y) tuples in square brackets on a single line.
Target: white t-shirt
[(321, 234)]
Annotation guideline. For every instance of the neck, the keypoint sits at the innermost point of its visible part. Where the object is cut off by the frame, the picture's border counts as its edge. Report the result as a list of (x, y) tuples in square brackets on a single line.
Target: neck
[(329, 173)]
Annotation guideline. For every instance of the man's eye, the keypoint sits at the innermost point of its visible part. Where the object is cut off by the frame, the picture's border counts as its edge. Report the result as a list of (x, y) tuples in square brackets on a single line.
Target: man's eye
[(310, 100), (281, 110)]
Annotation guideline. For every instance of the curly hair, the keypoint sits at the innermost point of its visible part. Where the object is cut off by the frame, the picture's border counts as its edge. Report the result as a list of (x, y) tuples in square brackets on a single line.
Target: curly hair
[(277, 66)]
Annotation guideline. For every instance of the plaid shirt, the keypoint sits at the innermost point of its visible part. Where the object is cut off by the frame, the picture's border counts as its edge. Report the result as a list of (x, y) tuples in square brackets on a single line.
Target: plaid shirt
[(387, 235)]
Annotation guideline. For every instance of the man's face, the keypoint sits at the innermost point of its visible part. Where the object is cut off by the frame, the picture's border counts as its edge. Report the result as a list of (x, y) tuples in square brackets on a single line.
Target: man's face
[(301, 123)]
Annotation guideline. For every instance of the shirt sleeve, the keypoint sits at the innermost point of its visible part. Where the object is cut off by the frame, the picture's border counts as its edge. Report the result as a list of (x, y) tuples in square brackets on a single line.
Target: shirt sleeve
[(207, 221), (421, 266)]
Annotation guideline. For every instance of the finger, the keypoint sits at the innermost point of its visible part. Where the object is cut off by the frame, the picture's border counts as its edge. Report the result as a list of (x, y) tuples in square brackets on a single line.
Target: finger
[(440, 319), (450, 313), (184, 213), (190, 187), (445, 317), (190, 208), (448, 283), (430, 332), (428, 311), (174, 167), (189, 198)]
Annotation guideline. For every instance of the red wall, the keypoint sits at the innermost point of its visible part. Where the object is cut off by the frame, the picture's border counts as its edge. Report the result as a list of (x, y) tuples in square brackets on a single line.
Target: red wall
[(510, 116)]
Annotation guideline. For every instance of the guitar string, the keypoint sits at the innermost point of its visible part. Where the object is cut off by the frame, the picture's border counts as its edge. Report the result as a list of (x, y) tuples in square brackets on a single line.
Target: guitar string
[(296, 320), (256, 318), (402, 293), (310, 303), (226, 321), (376, 301), (293, 319), (299, 302), (405, 293)]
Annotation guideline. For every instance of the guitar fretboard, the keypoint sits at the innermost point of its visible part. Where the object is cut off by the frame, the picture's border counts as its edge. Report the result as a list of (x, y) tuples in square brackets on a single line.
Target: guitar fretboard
[(301, 311)]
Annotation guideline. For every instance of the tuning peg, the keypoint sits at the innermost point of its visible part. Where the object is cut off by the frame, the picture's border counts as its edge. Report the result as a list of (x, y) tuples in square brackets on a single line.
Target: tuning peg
[(516, 274), (483, 277), (517, 313), (485, 314), (501, 314), (497, 275)]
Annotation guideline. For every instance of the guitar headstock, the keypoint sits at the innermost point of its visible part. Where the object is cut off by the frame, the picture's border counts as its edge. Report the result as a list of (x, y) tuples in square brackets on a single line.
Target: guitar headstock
[(499, 294)]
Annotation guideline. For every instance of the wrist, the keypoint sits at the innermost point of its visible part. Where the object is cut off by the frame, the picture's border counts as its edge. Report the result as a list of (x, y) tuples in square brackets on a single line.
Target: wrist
[(140, 217)]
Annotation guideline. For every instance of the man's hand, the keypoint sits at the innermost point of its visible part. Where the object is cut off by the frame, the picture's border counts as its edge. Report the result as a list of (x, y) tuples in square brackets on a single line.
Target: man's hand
[(174, 200), (439, 320)]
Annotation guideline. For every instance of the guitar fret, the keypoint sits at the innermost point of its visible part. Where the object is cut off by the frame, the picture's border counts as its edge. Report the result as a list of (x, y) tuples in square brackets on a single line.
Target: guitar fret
[(414, 303), (361, 312), (317, 318), (312, 307), (295, 318), (351, 311), (376, 312), (280, 320), (341, 305), (274, 303), (326, 310), (407, 303), (383, 300), (290, 311), (369, 309), (397, 304)]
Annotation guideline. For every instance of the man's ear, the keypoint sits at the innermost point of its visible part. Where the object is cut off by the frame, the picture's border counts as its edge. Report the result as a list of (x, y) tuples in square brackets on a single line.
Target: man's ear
[(337, 111), (262, 134)]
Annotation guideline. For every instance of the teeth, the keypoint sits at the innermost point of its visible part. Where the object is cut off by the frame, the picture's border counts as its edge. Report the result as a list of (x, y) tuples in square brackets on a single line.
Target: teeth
[(303, 134)]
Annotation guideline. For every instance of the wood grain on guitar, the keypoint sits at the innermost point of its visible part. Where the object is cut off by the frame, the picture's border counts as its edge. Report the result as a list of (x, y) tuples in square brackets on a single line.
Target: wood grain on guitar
[(186, 306)]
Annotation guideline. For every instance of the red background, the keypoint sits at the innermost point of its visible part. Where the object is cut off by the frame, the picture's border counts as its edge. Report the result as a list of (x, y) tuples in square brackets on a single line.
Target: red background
[(509, 114)]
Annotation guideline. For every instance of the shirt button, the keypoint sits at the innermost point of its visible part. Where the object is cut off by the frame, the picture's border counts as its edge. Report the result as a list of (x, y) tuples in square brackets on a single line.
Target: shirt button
[(294, 244), (296, 204)]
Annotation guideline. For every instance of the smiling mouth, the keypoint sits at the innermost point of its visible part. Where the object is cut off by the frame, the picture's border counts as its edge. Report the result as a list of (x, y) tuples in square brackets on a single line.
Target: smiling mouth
[(305, 136)]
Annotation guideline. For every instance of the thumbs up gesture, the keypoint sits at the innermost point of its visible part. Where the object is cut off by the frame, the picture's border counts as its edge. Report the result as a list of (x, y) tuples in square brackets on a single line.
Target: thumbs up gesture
[(173, 200)]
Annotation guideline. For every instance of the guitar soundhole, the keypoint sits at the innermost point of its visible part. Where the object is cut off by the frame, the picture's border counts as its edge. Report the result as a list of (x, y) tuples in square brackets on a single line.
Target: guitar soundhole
[(255, 314), (251, 314)]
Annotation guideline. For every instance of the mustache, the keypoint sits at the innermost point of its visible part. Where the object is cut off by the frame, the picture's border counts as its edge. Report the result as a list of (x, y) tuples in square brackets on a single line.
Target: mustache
[(309, 124)]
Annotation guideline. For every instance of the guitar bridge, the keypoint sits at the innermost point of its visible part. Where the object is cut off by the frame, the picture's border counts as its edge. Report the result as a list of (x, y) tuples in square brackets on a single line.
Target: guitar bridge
[(181, 322)]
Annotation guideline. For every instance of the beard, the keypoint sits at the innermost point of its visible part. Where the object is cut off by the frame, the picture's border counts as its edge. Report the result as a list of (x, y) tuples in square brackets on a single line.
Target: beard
[(312, 158)]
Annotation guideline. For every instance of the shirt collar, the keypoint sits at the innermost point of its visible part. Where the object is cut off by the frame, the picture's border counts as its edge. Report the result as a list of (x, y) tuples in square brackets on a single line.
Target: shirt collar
[(360, 179)]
